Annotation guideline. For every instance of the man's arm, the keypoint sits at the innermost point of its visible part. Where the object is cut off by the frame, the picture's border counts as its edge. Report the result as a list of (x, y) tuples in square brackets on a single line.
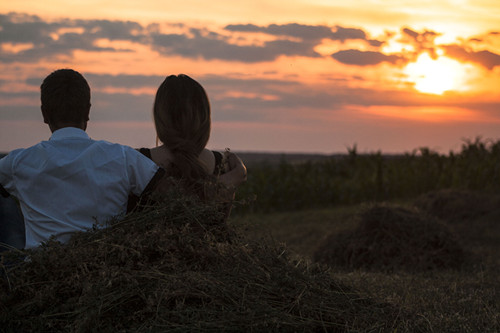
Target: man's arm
[(144, 176), (3, 192), (6, 173), (135, 200)]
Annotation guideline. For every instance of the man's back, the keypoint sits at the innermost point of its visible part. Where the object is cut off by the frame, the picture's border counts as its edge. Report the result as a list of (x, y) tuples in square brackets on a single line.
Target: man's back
[(71, 182)]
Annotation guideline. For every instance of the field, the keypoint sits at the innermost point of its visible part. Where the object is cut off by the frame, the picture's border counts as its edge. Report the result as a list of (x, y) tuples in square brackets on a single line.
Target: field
[(322, 201), (448, 300), (345, 243)]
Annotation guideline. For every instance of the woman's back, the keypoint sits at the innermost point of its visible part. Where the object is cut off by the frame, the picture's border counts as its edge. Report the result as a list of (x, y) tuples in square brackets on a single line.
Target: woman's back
[(212, 161)]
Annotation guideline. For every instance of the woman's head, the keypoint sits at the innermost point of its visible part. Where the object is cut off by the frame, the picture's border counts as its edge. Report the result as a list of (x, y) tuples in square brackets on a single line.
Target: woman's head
[(182, 114), (182, 119)]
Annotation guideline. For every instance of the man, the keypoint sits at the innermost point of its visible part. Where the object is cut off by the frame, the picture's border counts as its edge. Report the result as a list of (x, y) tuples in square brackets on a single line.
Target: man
[(11, 223), (71, 182)]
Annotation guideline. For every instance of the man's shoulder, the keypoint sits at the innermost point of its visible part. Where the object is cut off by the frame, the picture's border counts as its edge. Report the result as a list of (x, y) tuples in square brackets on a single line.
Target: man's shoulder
[(126, 151), (112, 146), (16, 153), (19, 156)]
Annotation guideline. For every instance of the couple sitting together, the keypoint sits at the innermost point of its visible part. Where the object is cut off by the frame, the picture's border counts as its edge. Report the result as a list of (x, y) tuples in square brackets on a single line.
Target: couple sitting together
[(71, 182)]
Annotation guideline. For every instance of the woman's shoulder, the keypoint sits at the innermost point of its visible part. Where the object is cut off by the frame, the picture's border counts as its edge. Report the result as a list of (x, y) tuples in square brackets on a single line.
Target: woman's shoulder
[(208, 159), (212, 160)]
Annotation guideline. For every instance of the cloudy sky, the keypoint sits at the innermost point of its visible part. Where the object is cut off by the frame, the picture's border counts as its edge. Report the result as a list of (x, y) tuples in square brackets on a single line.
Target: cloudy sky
[(281, 75)]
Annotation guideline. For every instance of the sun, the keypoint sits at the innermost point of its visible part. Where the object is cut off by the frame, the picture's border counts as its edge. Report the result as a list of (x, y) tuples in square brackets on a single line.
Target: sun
[(435, 76)]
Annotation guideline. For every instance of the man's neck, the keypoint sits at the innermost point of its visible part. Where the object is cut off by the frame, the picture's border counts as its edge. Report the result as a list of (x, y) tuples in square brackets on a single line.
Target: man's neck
[(55, 127)]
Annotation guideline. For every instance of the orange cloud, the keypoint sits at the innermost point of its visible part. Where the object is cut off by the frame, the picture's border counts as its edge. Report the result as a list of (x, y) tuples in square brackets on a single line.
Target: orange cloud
[(429, 113)]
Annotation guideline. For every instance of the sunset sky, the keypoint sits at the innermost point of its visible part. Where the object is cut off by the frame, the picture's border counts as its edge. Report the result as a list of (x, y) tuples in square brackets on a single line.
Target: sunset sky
[(313, 76)]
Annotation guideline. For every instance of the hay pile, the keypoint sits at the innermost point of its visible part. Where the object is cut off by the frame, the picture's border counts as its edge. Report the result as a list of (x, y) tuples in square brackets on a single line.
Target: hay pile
[(456, 206), (389, 238), (176, 267)]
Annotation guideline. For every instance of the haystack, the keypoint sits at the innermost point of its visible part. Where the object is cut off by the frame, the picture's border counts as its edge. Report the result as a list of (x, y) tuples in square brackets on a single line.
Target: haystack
[(175, 267), (456, 206), (389, 238)]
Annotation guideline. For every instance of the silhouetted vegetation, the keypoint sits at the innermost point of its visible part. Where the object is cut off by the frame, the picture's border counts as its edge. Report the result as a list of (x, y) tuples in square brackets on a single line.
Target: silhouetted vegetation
[(355, 178)]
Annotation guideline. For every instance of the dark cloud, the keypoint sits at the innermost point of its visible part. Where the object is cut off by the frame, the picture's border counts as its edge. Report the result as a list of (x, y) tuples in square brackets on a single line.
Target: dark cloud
[(21, 112), (290, 30), (291, 94), (21, 94), (249, 104), (50, 40), (490, 108), (422, 41), (123, 80), (62, 38), (286, 93), (16, 109), (113, 30), (375, 43), (216, 46), (485, 38), (212, 45), (21, 28), (348, 33), (59, 39), (123, 107), (305, 32), (485, 58), (363, 58), (294, 95), (421, 37), (253, 107)]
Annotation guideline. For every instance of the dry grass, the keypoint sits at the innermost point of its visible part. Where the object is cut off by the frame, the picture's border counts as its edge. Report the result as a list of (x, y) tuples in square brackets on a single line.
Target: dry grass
[(456, 206), (445, 299), (175, 267), (391, 237), (473, 215)]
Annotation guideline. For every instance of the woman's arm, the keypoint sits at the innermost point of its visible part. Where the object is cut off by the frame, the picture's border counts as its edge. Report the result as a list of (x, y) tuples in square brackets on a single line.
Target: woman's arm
[(237, 171)]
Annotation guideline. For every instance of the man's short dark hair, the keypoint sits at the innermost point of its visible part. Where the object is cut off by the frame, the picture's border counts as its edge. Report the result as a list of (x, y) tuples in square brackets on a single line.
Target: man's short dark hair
[(65, 96)]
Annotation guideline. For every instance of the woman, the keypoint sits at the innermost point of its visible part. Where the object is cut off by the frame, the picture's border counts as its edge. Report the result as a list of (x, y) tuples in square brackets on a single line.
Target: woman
[(183, 121)]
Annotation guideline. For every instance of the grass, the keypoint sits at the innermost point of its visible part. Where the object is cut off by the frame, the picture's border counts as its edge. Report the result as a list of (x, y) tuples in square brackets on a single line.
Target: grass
[(175, 267), (445, 300), (300, 230)]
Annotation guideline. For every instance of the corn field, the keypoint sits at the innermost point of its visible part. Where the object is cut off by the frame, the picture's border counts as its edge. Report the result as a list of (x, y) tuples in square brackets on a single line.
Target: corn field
[(354, 178)]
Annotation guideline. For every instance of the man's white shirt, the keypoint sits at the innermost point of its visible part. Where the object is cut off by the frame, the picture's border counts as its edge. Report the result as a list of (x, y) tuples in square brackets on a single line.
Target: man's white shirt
[(71, 183)]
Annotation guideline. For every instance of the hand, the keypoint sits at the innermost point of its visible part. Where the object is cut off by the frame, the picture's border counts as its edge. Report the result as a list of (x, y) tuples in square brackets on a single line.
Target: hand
[(237, 173)]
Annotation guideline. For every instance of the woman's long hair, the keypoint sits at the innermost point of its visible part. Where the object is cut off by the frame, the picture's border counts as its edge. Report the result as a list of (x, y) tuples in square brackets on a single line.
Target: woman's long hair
[(182, 119)]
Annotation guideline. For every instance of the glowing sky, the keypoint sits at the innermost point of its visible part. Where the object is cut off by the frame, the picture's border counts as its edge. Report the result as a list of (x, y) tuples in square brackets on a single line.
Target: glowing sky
[(283, 76)]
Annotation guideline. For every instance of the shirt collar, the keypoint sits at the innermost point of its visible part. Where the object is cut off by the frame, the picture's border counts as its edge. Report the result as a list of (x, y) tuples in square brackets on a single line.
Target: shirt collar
[(69, 132)]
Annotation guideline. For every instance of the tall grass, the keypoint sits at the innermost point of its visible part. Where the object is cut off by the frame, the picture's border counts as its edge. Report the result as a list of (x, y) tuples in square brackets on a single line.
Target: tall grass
[(356, 178)]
